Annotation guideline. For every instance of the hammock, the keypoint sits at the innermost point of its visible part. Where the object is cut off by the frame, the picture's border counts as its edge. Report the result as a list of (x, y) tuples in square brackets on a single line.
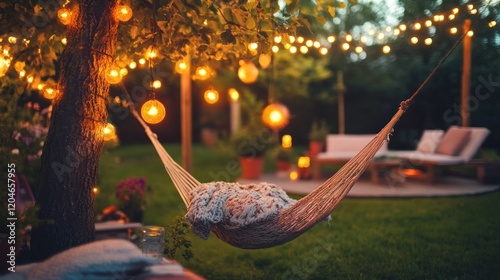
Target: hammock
[(302, 215), (294, 220)]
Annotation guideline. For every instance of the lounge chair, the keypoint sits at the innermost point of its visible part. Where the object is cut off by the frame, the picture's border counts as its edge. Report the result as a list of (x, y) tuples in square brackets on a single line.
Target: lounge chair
[(438, 150)]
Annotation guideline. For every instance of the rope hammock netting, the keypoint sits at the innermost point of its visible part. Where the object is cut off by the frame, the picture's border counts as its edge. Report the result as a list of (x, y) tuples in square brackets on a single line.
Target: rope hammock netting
[(262, 215)]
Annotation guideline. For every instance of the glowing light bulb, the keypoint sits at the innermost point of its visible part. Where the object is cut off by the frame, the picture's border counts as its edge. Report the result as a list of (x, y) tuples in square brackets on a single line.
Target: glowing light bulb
[(451, 17), (348, 38), (211, 96), (109, 132), (345, 46), (123, 72), (64, 41), (264, 60), (157, 84), (275, 49), (453, 30), (470, 33), (248, 72), (309, 43), (358, 49), (22, 73), (286, 141), (492, 23), (123, 13), (414, 40), (253, 46), (153, 112), (277, 39), (317, 44), (142, 61), (331, 39), (234, 95), (181, 66), (300, 40), (49, 93), (291, 39), (293, 49), (113, 75), (12, 40), (428, 23), (202, 72), (30, 79), (417, 26), (275, 116), (386, 49), (428, 41), (323, 51), (304, 49), (64, 16), (132, 65), (402, 27)]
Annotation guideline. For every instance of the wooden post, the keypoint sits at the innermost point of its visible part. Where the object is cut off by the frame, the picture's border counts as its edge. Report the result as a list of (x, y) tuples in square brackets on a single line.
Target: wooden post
[(466, 75), (341, 89), (186, 122)]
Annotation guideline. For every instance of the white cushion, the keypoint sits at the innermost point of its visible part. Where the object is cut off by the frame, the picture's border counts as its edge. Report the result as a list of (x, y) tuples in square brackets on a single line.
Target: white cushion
[(430, 140)]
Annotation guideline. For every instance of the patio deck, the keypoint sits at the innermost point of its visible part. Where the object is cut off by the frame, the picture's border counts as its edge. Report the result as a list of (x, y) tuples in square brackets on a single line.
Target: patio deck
[(446, 186)]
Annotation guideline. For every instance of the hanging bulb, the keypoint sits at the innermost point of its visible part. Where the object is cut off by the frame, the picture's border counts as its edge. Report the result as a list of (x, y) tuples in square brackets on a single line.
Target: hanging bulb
[(202, 72), (264, 60), (181, 67), (275, 116), (156, 84), (49, 93), (211, 96), (113, 75), (109, 132), (153, 111), (234, 95), (248, 72), (64, 16), (123, 13)]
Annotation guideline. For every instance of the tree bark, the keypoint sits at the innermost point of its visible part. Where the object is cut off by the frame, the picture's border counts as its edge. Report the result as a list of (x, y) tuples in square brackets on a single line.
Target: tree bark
[(74, 143)]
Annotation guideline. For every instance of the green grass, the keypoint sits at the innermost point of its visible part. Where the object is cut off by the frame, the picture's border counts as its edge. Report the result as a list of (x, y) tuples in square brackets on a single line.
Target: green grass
[(412, 238)]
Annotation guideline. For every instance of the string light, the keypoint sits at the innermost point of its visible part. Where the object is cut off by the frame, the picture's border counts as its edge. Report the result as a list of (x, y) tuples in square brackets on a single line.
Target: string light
[(453, 30), (275, 49), (277, 39), (345, 46), (142, 61), (64, 16), (123, 13), (248, 72), (293, 49), (304, 49), (49, 92), (181, 66), (153, 111), (470, 33), (132, 65), (331, 39), (113, 75), (12, 39), (417, 26), (123, 72), (202, 72), (264, 60), (234, 95), (323, 51), (492, 23), (291, 39), (211, 96), (109, 132), (428, 41), (286, 141), (275, 116), (22, 73), (156, 84), (64, 41), (386, 49), (414, 40)]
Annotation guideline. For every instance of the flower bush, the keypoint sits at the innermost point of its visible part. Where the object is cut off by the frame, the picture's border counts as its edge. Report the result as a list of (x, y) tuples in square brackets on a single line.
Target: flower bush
[(132, 197)]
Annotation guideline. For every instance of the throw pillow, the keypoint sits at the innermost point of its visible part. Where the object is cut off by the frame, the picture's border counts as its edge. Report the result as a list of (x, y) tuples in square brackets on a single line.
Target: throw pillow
[(453, 141)]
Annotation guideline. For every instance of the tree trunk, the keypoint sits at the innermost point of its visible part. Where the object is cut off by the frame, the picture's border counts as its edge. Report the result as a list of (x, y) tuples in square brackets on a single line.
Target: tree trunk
[(74, 143)]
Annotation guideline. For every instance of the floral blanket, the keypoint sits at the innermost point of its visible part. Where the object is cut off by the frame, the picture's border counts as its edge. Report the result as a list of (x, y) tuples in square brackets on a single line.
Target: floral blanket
[(234, 205)]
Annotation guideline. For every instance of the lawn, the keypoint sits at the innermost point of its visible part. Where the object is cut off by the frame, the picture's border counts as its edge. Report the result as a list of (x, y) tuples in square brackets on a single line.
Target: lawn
[(411, 238)]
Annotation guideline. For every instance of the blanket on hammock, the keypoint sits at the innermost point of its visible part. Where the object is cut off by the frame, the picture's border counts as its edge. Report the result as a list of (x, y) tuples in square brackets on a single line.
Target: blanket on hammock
[(234, 205)]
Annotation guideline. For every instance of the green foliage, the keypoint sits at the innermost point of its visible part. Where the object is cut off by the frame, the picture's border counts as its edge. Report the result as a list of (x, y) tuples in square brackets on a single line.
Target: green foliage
[(414, 238), (318, 132), (175, 239), (253, 138)]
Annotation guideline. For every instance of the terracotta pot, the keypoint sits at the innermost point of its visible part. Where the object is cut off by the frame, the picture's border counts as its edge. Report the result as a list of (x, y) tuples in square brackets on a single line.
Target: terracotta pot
[(315, 147), (251, 167)]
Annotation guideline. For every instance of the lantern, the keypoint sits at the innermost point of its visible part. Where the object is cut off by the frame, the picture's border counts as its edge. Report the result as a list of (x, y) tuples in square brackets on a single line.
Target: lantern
[(64, 16), (153, 111), (109, 132), (248, 72), (275, 116), (113, 74), (123, 13), (211, 96)]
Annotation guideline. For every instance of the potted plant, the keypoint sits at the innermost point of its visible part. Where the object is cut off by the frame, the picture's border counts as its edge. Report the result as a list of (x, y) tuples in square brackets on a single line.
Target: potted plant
[(253, 140), (131, 194), (317, 137), (283, 159)]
